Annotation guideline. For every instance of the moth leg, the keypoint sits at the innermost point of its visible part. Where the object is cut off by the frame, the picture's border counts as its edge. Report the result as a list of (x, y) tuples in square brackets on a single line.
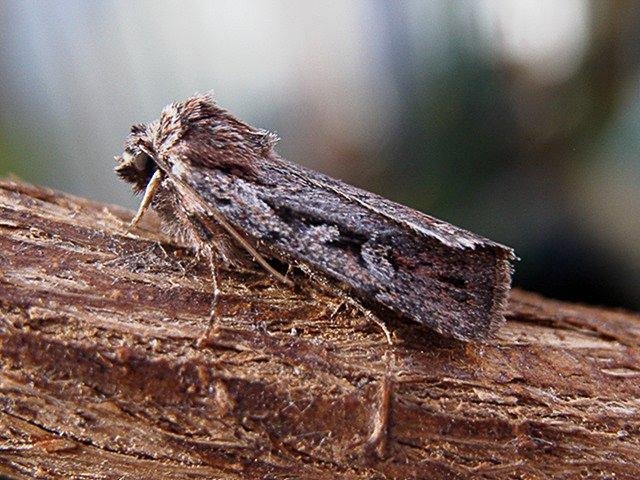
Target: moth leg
[(372, 317), (213, 312), (337, 310), (289, 268), (149, 192)]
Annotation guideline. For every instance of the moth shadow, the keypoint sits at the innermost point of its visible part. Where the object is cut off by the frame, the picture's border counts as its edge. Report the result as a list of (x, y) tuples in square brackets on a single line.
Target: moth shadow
[(415, 336)]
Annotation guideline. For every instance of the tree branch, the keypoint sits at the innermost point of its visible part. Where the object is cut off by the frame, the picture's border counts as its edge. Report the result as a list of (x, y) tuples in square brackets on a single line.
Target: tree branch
[(105, 374)]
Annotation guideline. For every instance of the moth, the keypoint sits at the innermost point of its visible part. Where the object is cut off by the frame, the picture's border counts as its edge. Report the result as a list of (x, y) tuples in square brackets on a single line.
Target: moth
[(220, 185)]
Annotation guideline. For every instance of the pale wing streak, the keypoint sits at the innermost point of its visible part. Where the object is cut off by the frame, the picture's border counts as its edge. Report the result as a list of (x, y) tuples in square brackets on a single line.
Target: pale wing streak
[(371, 208)]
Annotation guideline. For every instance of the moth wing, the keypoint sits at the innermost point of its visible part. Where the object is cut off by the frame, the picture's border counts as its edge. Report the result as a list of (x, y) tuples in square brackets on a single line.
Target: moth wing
[(388, 255)]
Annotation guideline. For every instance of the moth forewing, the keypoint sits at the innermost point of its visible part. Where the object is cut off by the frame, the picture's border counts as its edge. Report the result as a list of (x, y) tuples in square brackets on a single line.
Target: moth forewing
[(360, 242)]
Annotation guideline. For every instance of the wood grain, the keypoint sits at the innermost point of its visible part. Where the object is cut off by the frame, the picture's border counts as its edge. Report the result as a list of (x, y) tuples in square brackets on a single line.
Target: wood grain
[(105, 374)]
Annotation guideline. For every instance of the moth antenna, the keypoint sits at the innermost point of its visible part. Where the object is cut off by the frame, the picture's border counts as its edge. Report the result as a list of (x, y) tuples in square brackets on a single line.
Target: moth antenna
[(149, 192)]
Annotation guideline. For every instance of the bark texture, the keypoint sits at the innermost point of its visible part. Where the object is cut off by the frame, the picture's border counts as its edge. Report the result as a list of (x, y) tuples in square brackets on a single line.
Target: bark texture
[(106, 372)]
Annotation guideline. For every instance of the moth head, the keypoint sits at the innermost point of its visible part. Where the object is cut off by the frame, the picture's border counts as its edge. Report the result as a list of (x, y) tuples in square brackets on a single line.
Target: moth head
[(136, 165)]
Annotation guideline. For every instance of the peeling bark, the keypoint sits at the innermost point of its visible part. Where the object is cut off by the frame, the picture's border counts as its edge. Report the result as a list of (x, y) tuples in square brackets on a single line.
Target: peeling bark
[(105, 373)]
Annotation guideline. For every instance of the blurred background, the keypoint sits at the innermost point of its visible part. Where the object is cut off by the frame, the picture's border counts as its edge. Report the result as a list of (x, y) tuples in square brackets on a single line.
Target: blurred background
[(519, 119)]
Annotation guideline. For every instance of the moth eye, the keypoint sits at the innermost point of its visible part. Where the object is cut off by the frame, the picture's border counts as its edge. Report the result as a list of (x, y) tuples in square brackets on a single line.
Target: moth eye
[(141, 161)]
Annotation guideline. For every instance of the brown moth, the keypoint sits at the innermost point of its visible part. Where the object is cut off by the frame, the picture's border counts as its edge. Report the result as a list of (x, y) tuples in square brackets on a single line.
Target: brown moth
[(219, 184)]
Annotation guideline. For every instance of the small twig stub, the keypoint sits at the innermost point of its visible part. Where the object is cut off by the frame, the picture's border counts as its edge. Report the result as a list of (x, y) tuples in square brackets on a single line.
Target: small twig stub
[(218, 183)]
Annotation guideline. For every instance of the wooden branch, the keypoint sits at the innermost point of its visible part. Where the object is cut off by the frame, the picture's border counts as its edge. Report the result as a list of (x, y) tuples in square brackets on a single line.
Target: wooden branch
[(104, 373)]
